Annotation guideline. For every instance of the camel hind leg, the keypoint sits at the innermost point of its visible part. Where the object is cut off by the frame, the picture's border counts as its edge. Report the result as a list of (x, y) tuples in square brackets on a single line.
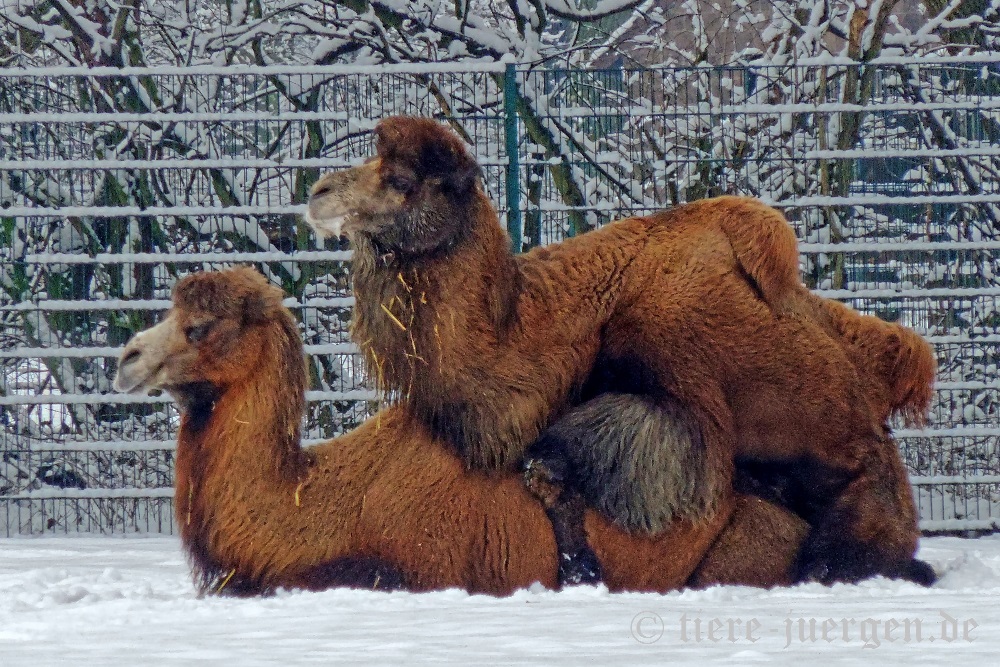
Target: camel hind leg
[(758, 547), (868, 527), (642, 463)]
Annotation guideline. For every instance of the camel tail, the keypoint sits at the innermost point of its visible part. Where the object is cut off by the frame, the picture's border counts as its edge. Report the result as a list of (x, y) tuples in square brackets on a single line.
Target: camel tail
[(914, 369), (910, 365), (899, 355), (765, 247)]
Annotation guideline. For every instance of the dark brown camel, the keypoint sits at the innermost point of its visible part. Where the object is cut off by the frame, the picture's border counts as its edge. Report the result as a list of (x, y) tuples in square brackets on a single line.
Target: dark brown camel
[(699, 307)]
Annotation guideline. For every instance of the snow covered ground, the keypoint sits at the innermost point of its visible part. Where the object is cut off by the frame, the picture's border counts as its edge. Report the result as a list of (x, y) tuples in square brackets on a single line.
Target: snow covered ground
[(129, 601)]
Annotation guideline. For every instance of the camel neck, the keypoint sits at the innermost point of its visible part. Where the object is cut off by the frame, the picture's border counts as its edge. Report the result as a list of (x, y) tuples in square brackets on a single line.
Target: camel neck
[(477, 264), (409, 309), (245, 445)]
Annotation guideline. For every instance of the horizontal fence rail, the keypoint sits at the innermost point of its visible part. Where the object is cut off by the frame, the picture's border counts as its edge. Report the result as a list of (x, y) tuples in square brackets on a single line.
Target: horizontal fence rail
[(116, 183)]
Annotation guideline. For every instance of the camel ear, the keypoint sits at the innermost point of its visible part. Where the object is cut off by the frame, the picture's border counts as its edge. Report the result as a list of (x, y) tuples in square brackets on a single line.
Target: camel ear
[(253, 309), (257, 300), (387, 134), (428, 148), (450, 162), (260, 306)]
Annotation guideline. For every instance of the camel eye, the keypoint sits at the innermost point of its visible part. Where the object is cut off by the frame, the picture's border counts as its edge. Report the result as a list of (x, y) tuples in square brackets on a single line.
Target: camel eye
[(197, 332), (399, 183)]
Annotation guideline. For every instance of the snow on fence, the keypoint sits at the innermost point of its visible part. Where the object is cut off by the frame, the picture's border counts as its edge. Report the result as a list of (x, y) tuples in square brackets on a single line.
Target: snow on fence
[(114, 183)]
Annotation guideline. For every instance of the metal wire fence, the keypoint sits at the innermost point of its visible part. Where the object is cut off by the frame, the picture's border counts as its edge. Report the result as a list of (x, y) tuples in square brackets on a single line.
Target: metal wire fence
[(115, 183)]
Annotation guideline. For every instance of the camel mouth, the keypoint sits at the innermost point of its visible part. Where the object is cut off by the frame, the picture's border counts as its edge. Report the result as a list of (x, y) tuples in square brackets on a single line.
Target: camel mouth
[(131, 380), (325, 227)]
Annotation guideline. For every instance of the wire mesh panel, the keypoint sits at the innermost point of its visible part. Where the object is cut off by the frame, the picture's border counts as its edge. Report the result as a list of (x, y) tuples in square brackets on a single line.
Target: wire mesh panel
[(115, 183), (889, 172)]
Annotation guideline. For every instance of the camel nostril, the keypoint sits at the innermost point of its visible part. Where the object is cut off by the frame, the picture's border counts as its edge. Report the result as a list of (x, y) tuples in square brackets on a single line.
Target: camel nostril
[(129, 357), (322, 191)]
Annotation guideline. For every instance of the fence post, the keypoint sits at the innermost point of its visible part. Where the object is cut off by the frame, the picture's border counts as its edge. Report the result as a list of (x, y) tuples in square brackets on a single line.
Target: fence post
[(513, 184)]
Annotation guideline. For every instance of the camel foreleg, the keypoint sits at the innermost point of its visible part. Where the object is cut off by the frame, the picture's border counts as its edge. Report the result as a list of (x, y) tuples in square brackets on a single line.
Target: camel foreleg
[(548, 475)]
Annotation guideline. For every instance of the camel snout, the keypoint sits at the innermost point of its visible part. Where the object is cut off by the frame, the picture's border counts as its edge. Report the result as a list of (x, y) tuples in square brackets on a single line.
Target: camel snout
[(327, 211), (143, 357), (130, 376), (341, 202)]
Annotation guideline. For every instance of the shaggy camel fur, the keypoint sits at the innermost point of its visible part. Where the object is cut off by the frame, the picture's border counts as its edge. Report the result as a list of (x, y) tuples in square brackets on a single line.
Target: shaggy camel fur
[(701, 305), (385, 506)]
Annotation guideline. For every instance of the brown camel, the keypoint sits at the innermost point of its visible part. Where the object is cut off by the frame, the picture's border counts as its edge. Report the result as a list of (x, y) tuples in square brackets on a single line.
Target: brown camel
[(385, 506), (699, 307)]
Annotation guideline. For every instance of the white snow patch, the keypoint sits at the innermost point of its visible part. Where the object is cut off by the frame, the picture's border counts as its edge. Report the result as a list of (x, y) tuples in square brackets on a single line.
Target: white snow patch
[(108, 601)]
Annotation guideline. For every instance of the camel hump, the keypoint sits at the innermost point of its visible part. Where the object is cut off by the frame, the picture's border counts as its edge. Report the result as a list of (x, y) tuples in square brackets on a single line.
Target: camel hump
[(765, 247)]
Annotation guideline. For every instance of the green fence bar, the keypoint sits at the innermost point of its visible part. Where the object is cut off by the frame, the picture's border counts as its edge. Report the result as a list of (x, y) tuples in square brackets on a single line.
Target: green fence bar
[(513, 163)]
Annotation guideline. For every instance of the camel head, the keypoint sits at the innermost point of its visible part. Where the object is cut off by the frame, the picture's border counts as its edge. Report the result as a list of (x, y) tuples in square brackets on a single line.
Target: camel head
[(213, 337), (410, 198)]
